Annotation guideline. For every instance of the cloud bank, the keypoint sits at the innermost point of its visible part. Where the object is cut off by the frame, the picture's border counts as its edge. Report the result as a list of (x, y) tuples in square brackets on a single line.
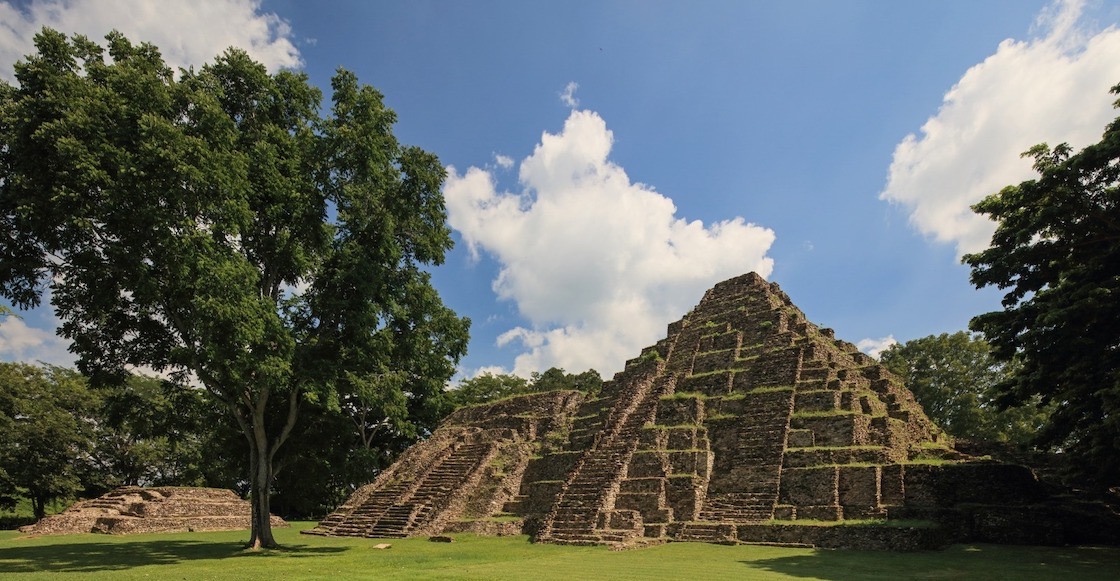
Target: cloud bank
[(875, 347), (596, 264), (19, 342), (187, 33), (1052, 89)]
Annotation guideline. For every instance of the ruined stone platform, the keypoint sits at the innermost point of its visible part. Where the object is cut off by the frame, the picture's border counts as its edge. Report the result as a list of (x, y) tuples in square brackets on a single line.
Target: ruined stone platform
[(134, 509), (746, 424)]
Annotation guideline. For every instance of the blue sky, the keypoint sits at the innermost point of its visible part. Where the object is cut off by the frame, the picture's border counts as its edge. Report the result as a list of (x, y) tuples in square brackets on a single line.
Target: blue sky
[(609, 161)]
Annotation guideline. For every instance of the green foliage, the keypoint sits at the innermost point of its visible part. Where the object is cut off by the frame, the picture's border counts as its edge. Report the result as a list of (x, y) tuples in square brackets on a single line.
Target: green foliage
[(486, 387), (682, 395), (214, 224), (822, 413), (1056, 254), (47, 437), (86, 440), (149, 432), (554, 378), (489, 387), (954, 377)]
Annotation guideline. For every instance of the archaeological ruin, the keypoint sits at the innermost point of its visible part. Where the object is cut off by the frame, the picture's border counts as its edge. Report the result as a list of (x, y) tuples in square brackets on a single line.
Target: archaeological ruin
[(746, 424), (163, 509)]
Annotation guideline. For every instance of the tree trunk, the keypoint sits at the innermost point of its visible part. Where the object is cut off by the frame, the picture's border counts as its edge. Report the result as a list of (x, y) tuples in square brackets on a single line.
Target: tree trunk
[(260, 484), (39, 507)]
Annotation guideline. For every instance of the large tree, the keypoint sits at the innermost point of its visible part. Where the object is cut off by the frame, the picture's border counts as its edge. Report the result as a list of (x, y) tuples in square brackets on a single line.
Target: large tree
[(214, 224), (1056, 253), (955, 378)]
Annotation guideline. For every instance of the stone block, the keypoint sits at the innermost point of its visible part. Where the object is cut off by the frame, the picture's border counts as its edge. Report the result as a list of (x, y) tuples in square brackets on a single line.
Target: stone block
[(620, 519), (689, 462), (653, 437), (713, 361), (721, 342), (820, 512), (657, 515), (777, 367), (816, 401), (550, 467), (641, 502), (858, 486), (800, 439), (682, 494), (731, 406), (838, 430), (891, 491), (682, 438), (785, 512), (809, 486), (643, 485), (676, 411), (647, 463), (711, 384)]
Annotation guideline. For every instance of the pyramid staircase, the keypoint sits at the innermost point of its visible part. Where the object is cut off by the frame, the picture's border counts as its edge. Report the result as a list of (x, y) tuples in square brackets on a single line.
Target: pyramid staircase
[(584, 511), (760, 446), (402, 507)]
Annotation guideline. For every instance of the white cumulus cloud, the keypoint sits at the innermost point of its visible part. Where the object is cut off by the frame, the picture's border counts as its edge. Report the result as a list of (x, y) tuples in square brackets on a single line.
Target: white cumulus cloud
[(19, 342), (875, 347), (187, 33), (1052, 89), (596, 263), (568, 95)]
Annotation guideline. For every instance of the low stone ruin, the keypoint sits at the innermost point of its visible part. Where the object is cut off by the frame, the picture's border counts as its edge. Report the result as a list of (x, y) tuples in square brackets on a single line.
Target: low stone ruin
[(747, 423), (133, 509)]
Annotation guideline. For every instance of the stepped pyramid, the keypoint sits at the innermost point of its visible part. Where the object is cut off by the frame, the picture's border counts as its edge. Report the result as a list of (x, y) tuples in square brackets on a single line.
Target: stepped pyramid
[(747, 423), (157, 509)]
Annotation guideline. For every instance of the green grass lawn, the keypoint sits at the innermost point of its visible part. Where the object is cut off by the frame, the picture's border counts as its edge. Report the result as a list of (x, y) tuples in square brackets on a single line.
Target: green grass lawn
[(219, 556)]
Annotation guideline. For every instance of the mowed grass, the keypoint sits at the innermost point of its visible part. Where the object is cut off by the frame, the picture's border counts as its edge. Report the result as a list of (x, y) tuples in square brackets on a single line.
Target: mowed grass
[(219, 556)]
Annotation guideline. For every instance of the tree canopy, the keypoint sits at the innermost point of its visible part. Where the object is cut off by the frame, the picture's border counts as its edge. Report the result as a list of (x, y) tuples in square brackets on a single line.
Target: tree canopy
[(488, 387), (955, 379), (48, 438), (213, 224), (1056, 254)]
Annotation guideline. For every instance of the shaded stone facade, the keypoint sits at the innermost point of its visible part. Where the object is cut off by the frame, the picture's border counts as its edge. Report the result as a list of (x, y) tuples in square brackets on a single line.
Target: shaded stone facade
[(747, 423), (165, 509)]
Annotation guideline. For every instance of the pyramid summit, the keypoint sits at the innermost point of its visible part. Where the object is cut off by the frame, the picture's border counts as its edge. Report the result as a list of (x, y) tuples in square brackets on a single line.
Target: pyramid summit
[(746, 423)]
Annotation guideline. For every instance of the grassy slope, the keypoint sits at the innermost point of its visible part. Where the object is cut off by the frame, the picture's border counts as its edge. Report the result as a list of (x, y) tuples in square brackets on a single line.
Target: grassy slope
[(218, 556)]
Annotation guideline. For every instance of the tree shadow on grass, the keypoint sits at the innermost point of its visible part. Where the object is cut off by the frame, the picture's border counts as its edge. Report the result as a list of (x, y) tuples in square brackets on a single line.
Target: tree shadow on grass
[(956, 562), (114, 556)]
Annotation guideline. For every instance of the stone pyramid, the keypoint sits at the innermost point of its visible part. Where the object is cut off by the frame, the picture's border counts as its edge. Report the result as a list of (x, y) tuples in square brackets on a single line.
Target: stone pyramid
[(160, 509), (747, 423)]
